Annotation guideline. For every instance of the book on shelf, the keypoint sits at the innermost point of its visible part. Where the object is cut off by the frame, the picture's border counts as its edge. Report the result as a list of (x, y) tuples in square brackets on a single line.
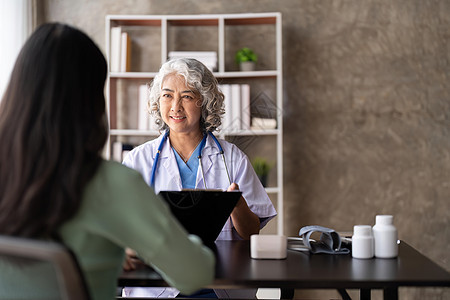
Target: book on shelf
[(237, 107), (125, 52), (145, 119), (143, 115), (208, 58), (120, 150), (114, 59), (120, 58), (117, 151), (245, 105), (263, 123), (226, 118)]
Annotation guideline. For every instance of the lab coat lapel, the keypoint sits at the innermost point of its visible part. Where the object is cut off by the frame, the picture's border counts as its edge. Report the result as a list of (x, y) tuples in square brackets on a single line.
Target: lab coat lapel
[(172, 179)]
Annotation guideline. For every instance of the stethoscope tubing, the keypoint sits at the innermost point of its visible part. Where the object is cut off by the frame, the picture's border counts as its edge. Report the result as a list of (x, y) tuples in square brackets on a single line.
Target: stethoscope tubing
[(222, 153), (155, 162), (202, 145)]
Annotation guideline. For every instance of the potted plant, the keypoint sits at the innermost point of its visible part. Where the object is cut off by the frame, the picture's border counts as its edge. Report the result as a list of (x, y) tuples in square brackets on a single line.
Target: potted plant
[(262, 168), (246, 59)]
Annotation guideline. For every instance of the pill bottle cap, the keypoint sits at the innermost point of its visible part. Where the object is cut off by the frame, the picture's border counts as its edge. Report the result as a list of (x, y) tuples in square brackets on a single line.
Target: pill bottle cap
[(384, 220), (362, 230)]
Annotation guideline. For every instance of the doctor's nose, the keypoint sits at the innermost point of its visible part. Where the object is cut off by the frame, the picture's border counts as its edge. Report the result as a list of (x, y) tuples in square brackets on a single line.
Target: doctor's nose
[(177, 104)]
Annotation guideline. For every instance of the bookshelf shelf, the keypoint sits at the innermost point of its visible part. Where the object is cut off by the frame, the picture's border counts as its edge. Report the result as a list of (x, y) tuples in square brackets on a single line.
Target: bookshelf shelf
[(255, 74), (224, 134), (153, 37), (133, 132), (124, 75), (257, 132), (272, 190), (235, 74)]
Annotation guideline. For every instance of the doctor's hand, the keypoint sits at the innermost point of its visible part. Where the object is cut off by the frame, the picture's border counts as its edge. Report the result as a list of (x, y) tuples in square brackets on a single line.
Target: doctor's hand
[(233, 187), (131, 260), (244, 220)]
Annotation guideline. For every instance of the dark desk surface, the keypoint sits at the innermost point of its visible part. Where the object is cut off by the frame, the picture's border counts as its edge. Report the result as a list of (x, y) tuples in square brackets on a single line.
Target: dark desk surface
[(235, 269)]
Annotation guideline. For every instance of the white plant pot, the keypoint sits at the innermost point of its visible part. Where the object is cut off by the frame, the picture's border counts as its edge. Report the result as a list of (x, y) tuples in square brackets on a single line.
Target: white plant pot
[(247, 66)]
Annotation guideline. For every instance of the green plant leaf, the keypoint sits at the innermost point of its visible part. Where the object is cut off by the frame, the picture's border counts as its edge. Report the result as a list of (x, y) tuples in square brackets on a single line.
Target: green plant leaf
[(261, 166), (246, 54)]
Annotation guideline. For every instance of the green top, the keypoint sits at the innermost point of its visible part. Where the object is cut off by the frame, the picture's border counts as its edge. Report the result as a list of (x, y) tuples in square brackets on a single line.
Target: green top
[(119, 210)]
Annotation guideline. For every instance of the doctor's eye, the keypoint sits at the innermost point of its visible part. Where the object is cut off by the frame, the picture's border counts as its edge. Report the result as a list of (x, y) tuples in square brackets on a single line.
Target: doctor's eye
[(166, 97), (187, 98)]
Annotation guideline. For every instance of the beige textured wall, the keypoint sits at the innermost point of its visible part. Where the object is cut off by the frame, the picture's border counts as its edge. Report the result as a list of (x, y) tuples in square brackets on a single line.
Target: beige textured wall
[(366, 109)]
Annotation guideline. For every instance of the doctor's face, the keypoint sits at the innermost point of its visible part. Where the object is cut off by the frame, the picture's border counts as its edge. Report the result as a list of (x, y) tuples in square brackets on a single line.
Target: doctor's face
[(180, 106)]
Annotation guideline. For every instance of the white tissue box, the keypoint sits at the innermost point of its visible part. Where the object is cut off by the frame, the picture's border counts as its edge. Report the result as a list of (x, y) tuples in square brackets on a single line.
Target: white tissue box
[(268, 246)]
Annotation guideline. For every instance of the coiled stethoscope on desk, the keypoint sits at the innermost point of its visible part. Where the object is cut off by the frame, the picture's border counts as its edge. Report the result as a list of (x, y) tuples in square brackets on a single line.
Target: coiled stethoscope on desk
[(202, 145)]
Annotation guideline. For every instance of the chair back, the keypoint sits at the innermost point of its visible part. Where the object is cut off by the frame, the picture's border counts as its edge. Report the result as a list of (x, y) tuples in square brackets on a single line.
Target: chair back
[(35, 269)]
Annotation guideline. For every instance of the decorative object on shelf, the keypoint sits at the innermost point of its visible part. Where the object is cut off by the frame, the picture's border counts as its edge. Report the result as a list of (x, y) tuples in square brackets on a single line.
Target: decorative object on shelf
[(263, 123), (262, 168), (246, 59), (208, 58)]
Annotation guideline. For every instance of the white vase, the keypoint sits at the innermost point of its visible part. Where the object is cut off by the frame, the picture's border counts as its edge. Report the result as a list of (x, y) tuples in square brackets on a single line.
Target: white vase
[(247, 66)]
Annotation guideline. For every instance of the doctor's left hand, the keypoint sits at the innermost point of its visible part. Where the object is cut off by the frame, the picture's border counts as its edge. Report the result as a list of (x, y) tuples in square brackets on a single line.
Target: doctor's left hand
[(245, 221)]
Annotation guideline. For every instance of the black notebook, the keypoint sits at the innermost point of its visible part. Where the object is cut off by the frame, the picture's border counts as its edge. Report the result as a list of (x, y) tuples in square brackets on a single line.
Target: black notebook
[(202, 212)]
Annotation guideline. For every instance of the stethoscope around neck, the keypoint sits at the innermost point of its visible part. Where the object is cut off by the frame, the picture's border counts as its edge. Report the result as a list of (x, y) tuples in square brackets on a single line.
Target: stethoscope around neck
[(202, 145)]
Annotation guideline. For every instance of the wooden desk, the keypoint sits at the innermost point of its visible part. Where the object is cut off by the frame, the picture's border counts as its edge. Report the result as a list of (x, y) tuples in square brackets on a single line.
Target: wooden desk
[(302, 270)]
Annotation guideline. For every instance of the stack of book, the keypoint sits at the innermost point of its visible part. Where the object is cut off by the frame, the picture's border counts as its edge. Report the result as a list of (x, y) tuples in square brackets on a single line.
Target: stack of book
[(238, 115), (120, 51), (237, 107), (145, 119), (208, 58)]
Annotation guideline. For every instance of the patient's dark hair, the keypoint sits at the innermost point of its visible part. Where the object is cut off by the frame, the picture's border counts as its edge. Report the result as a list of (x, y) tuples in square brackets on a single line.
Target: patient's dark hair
[(52, 130)]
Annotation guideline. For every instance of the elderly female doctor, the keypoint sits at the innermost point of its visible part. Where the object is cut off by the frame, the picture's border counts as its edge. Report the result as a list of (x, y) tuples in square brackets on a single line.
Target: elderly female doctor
[(187, 105)]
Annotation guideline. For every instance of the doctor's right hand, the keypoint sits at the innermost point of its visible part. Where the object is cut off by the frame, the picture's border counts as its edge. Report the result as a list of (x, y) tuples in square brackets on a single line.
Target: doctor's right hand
[(131, 260), (233, 187)]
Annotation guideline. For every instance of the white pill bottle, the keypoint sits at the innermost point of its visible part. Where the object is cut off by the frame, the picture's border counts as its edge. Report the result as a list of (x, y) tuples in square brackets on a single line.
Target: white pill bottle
[(362, 242), (385, 237)]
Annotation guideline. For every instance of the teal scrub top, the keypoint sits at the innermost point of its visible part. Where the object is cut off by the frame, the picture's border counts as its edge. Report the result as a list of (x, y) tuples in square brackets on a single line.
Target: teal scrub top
[(188, 170)]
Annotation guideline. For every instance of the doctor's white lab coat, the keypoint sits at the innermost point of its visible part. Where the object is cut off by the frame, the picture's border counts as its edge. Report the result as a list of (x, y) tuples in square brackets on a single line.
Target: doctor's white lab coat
[(167, 175)]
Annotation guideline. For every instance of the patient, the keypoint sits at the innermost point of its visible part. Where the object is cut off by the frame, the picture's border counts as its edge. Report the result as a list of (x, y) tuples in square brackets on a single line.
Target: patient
[(55, 185)]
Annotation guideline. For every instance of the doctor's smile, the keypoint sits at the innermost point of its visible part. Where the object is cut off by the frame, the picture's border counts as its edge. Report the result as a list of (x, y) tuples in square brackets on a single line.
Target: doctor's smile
[(178, 119)]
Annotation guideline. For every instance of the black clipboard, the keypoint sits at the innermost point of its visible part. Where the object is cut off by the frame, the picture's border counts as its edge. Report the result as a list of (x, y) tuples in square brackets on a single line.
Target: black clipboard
[(202, 212)]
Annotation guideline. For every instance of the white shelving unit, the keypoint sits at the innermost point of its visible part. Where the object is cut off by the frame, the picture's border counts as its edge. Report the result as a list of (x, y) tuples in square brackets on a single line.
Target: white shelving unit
[(164, 32)]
